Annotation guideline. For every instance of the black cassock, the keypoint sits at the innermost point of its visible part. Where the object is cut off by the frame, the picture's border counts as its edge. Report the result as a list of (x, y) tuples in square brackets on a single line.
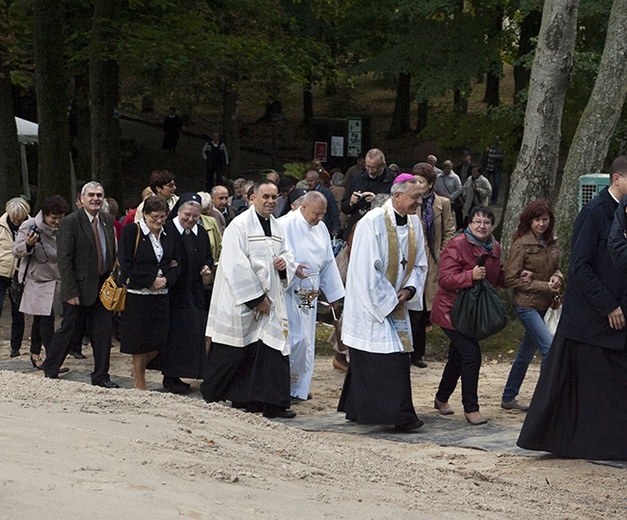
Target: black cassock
[(186, 351)]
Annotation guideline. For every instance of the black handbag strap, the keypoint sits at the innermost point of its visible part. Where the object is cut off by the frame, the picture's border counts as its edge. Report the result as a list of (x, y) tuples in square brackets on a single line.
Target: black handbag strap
[(115, 264), (26, 268)]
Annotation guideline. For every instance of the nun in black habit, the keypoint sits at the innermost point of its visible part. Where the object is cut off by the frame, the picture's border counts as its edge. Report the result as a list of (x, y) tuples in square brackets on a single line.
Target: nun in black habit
[(186, 351)]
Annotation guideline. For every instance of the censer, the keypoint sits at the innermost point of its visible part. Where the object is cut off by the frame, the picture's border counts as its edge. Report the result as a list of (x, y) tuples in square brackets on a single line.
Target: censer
[(307, 296)]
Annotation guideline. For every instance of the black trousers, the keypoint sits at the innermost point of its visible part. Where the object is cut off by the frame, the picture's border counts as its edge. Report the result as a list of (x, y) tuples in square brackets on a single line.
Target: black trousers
[(464, 360), (41, 332), (17, 318), (418, 321), (217, 172), (99, 330)]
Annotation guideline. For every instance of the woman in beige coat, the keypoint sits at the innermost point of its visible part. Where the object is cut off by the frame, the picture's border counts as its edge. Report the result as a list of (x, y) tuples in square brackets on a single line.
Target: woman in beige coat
[(17, 210), (438, 224), (36, 244)]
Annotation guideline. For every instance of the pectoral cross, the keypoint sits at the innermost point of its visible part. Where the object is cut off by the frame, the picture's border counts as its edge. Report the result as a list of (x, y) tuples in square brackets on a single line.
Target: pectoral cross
[(404, 262)]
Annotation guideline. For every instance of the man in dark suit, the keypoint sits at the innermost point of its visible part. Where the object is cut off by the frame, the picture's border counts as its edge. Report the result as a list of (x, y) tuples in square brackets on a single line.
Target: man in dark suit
[(85, 254), (220, 197), (332, 215)]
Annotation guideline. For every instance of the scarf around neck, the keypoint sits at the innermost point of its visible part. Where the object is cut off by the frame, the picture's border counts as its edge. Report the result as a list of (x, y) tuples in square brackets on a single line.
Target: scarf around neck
[(487, 246)]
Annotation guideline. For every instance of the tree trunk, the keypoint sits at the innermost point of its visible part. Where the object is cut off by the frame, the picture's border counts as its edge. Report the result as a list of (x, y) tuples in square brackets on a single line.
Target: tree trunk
[(597, 124), (495, 71), (80, 127), (536, 168), (308, 111), (400, 117), (10, 171), (51, 84), (460, 101), (230, 124), (492, 96), (422, 115), (529, 29), (104, 96)]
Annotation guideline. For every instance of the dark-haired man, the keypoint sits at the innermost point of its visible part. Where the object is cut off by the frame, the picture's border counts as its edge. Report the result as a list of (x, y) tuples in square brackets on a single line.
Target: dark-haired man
[(248, 360)]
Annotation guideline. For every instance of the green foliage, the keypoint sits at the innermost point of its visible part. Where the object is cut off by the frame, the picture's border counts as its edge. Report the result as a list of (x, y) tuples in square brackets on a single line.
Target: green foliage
[(478, 130), (296, 170)]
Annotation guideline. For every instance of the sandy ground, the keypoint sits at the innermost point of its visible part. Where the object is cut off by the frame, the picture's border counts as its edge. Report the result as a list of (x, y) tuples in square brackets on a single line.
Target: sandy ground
[(70, 450)]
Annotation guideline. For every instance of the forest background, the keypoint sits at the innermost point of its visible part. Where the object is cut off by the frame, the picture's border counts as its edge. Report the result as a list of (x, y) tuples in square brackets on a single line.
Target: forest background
[(433, 75)]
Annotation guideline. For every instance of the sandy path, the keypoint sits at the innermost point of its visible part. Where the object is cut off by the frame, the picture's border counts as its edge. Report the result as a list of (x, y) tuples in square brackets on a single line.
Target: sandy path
[(71, 450)]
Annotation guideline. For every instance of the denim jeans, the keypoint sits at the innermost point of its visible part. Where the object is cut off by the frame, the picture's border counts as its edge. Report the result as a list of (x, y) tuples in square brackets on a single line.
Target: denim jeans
[(537, 337)]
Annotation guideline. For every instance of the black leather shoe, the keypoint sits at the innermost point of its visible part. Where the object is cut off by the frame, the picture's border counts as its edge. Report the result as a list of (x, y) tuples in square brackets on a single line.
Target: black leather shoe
[(280, 414), (64, 370), (254, 407), (418, 362), (409, 428), (14, 353), (78, 355), (105, 383), (175, 385)]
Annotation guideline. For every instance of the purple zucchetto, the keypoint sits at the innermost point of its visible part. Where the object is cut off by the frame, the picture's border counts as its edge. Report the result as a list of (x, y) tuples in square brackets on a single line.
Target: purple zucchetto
[(403, 177)]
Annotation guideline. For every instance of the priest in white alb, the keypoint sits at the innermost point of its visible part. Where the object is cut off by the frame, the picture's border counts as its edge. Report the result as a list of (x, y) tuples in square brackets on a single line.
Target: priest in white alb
[(311, 245), (248, 361), (387, 268)]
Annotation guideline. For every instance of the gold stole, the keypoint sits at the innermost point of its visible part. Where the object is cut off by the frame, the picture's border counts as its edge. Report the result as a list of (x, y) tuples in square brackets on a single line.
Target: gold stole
[(391, 272)]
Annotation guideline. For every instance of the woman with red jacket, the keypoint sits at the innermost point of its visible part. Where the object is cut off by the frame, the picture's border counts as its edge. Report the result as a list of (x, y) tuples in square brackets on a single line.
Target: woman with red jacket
[(459, 269)]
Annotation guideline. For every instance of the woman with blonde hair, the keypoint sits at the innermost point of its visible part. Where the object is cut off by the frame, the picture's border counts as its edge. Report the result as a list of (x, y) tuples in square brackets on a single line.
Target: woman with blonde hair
[(17, 210)]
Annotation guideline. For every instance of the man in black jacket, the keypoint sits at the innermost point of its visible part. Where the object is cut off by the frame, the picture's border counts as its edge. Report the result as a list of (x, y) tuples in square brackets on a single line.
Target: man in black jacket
[(578, 409), (362, 188)]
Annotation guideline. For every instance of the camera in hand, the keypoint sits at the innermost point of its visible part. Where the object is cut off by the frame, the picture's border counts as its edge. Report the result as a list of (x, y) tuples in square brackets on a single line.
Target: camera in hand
[(35, 229)]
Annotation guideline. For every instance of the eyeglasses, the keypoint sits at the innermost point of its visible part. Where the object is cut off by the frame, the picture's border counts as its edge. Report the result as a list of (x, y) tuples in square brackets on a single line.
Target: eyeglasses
[(413, 197), (170, 184), (157, 218), (486, 223)]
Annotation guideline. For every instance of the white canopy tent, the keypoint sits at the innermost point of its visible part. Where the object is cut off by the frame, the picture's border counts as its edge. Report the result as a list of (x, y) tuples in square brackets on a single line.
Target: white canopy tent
[(28, 134)]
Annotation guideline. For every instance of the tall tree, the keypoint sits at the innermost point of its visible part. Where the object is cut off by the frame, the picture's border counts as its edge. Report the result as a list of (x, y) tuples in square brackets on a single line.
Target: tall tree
[(590, 145), (104, 94), (536, 167), (400, 117), (9, 147), (51, 84)]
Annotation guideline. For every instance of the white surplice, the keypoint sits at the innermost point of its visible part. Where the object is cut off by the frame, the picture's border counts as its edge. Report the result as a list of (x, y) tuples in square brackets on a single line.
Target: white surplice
[(311, 246), (370, 297), (245, 272)]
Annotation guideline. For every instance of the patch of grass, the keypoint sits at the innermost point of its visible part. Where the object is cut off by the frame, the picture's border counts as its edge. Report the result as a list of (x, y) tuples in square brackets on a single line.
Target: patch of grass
[(500, 347)]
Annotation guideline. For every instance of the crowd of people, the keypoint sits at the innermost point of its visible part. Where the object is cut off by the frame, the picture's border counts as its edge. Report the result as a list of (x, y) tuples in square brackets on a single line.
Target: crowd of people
[(223, 286)]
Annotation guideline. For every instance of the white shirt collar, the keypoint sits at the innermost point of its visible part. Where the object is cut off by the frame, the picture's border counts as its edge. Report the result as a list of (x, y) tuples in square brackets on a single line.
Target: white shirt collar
[(146, 230), (90, 216), (181, 229)]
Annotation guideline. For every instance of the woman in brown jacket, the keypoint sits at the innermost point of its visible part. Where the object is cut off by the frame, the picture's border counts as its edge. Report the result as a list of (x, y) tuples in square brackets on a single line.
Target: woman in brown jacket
[(532, 271)]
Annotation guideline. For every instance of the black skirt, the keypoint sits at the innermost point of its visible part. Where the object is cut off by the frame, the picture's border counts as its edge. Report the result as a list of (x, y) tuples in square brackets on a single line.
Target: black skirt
[(186, 352), (145, 324), (579, 408), (271, 377), (377, 389), (228, 373)]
